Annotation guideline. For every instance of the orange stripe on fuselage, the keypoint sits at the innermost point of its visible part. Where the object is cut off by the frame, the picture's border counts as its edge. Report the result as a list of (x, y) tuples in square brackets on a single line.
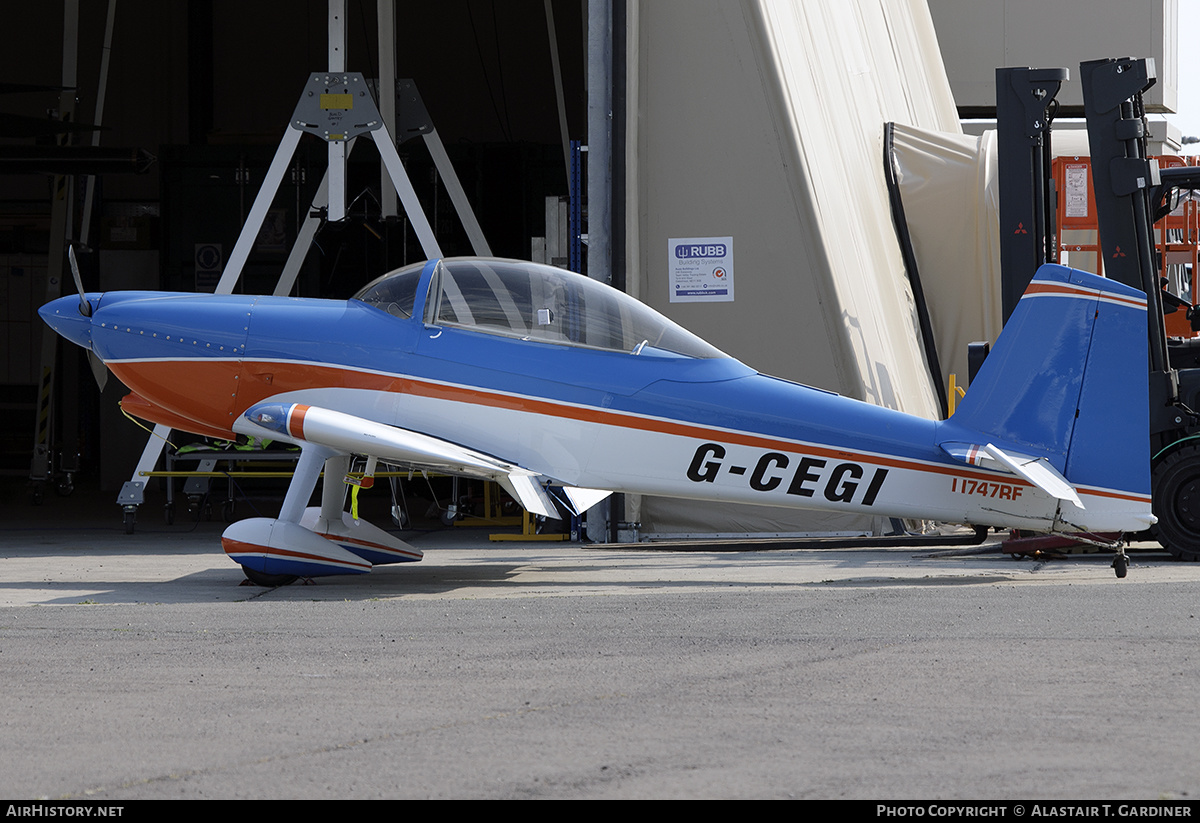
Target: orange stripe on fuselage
[(259, 380), (198, 391), (139, 407)]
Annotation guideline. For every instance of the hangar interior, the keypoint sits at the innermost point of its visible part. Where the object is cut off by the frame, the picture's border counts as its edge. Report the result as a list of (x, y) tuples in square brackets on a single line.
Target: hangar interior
[(761, 121)]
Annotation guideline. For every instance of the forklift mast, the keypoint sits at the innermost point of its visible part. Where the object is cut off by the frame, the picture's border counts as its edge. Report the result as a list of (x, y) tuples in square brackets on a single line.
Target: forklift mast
[(1131, 194), (1124, 177), (1025, 104)]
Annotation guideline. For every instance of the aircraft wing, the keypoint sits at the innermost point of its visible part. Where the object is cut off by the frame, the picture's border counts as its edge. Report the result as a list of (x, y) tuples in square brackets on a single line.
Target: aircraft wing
[(1037, 470), (350, 434)]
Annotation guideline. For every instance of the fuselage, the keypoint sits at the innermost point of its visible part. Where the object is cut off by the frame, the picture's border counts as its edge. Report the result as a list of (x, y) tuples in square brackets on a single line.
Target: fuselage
[(641, 421)]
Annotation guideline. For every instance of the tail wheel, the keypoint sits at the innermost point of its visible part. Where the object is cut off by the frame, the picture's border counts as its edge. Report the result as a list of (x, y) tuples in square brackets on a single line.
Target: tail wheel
[(1176, 489)]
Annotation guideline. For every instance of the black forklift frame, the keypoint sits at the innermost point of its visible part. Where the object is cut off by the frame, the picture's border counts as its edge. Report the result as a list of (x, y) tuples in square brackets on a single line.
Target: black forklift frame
[(1131, 194)]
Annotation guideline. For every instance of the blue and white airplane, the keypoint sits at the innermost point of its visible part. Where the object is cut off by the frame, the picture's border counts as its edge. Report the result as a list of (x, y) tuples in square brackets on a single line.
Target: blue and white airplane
[(536, 377)]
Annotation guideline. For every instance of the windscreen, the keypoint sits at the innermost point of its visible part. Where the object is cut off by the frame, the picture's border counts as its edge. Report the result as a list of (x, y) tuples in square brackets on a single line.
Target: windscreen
[(535, 302), (394, 292)]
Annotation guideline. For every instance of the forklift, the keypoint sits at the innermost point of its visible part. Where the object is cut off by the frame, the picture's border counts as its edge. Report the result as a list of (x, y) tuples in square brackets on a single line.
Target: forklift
[(1131, 195)]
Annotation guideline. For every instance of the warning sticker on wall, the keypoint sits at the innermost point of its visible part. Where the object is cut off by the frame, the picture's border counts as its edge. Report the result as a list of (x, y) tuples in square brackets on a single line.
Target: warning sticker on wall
[(701, 269)]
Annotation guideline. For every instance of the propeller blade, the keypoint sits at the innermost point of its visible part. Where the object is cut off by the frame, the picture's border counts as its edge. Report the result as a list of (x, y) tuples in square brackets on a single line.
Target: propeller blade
[(84, 307), (99, 370)]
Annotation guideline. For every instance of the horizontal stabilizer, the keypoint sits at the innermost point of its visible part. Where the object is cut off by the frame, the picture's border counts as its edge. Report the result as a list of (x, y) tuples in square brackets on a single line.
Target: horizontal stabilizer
[(972, 454), (1037, 471)]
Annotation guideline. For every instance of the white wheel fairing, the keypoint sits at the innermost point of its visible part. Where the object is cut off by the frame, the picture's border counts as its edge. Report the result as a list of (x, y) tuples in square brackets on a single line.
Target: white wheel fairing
[(277, 547)]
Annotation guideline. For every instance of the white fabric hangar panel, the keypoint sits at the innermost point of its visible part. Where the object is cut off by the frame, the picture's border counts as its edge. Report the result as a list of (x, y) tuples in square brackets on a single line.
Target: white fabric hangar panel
[(763, 120), (949, 184)]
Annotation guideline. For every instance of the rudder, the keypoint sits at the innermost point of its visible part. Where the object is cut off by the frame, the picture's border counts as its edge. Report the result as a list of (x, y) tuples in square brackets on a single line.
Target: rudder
[(1067, 381)]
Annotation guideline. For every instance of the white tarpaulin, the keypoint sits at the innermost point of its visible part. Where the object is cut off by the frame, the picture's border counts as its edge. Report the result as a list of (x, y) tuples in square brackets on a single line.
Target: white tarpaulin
[(951, 201), (950, 190)]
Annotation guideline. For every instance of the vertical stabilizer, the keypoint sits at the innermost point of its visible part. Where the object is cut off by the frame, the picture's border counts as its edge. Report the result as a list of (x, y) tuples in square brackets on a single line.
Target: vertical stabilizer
[(1067, 382)]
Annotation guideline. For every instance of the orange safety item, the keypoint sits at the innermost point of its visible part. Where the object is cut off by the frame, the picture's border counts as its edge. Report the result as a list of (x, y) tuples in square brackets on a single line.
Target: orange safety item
[(1177, 236)]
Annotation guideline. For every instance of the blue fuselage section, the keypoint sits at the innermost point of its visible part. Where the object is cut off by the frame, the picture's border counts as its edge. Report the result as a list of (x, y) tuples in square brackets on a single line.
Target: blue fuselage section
[(348, 337)]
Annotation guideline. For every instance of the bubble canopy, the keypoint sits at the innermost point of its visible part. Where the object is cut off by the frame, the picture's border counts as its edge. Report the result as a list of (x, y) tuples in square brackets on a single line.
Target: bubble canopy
[(530, 301)]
